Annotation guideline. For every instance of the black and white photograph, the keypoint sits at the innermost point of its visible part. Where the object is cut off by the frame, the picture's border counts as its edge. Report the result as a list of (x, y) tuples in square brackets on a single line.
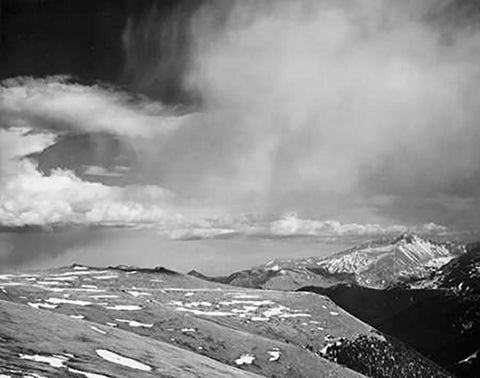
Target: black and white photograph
[(239, 188)]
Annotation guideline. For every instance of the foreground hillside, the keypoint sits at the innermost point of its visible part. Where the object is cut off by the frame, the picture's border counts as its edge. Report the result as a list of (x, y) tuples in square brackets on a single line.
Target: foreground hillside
[(125, 322)]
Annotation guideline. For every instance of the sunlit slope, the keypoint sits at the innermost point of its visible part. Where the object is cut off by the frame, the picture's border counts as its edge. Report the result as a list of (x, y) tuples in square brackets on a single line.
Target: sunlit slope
[(54, 345), (165, 322)]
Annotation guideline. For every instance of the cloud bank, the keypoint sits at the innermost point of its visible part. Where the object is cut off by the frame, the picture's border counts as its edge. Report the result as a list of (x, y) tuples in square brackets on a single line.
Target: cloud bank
[(29, 197)]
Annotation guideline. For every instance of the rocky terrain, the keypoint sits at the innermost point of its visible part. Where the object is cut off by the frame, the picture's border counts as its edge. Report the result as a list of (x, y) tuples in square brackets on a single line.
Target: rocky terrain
[(378, 264), (127, 322)]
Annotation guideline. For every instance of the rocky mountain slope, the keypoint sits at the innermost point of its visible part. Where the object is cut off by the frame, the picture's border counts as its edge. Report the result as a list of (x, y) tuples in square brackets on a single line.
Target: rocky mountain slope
[(438, 315), (127, 322), (379, 264)]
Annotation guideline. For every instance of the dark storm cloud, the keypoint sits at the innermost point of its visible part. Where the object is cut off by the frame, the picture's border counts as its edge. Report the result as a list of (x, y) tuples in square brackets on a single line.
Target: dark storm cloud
[(62, 37)]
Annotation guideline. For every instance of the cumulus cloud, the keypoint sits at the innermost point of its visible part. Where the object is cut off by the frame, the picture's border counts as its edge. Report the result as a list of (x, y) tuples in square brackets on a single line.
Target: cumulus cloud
[(29, 197)]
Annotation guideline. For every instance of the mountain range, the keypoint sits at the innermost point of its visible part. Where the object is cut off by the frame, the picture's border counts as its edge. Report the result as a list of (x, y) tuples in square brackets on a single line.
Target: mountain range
[(378, 264)]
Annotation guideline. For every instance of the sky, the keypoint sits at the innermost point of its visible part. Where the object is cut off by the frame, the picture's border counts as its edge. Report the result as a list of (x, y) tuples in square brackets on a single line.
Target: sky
[(212, 127)]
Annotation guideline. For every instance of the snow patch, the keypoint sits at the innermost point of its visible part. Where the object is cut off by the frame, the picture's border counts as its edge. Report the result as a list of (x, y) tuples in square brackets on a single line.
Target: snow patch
[(40, 305), (274, 311), (107, 277), (274, 268), (134, 323), (98, 330), (124, 307), (68, 301), (79, 267), (274, 354), (299, 315), (137, 293), (86, 373), (120, 360), (245, 296), (56, 361), (259, 319), (245, 359)]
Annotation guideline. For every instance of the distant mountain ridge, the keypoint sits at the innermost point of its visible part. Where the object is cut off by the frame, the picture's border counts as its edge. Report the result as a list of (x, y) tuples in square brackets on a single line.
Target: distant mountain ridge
[(382, 263)]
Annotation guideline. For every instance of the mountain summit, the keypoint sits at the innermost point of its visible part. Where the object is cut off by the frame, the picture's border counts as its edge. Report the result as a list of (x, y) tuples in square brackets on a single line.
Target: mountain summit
[(387, 262)]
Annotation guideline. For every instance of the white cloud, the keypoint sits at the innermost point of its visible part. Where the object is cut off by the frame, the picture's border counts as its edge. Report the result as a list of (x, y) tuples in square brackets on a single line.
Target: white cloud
[(29, 197), (56, 103), (291, 225)]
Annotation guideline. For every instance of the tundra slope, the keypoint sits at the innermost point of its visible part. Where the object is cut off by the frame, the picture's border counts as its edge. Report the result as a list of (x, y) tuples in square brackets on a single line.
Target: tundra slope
[(125, 322), (129, 322)]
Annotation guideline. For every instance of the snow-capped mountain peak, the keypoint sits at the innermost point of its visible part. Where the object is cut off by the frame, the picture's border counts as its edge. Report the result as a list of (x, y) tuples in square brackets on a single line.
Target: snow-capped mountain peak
[(386, 262)]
